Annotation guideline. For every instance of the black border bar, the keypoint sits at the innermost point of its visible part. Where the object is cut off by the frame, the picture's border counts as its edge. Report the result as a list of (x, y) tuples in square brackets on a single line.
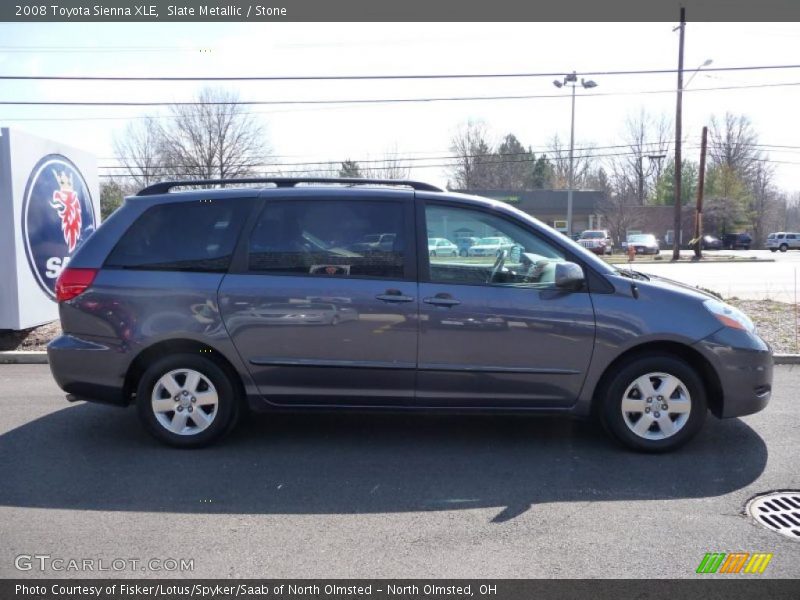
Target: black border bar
[(396, 10)]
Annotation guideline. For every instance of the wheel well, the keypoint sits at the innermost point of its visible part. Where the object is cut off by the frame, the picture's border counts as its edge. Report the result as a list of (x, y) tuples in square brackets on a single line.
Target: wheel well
[(711, 381), (181, 346)]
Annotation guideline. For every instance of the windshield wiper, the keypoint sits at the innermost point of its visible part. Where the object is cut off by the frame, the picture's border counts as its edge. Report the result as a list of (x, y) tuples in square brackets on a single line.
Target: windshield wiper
[(631, 274)]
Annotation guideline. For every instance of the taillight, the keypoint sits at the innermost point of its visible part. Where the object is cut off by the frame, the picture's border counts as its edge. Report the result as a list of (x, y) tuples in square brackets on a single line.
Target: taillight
[(73, 282)]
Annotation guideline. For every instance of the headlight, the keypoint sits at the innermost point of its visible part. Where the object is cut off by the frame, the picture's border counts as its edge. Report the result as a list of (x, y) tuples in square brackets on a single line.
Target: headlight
[(729, 316)]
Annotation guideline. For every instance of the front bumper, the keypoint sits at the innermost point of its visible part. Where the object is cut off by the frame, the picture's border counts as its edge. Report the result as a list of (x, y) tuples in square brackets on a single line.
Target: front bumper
[(92, 370), (743, 363)]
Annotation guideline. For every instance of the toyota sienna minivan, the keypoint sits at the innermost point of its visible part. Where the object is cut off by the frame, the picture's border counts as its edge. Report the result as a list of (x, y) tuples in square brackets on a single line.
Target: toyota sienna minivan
[(199, 305)]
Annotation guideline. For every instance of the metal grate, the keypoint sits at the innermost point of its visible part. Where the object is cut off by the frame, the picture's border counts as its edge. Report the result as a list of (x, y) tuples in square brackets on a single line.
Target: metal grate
[(777, 511)]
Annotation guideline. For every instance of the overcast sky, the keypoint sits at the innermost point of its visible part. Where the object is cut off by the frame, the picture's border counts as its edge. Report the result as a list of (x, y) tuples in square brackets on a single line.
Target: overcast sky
[(300, 133)]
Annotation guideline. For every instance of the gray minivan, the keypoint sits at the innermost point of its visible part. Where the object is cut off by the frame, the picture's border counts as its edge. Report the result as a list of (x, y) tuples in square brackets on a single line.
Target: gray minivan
[(198, 305)]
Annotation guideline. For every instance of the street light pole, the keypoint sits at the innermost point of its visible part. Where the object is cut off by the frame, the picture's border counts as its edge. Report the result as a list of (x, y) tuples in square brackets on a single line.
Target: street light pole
[(572, 79), (571, 165)]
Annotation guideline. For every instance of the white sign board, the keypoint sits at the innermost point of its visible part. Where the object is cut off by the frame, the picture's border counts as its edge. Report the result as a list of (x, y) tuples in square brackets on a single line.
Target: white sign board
[(49, 205)]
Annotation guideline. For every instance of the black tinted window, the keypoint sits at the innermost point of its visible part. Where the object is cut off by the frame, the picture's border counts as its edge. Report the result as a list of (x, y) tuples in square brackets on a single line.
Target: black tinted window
[(185, 236), (334, 238)]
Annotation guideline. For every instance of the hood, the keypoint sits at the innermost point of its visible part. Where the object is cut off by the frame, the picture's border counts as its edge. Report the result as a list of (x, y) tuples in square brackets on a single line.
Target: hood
[(677, 286)]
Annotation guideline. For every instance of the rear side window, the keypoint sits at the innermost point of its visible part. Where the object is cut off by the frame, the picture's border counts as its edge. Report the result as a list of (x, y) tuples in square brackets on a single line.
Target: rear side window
[(185, 236), (330, 238)]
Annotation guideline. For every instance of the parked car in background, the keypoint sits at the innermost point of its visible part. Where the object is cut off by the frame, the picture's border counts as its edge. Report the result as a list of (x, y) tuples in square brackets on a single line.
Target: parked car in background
[(465, 243), (441, 247), (491, 246), (597, 241), (737, 241), (710, 242), (783, 241), (643, 243)]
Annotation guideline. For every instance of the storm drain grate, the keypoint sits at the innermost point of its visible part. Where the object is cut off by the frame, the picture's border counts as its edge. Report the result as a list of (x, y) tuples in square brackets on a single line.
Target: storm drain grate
[(778, 511)]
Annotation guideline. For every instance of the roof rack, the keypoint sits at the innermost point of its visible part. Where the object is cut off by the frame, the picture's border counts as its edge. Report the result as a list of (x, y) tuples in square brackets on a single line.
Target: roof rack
[(165, 186)]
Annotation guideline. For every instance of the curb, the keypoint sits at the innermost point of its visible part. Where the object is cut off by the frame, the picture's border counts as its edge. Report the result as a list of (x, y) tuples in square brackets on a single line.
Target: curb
[(28, 357), (39, 357)]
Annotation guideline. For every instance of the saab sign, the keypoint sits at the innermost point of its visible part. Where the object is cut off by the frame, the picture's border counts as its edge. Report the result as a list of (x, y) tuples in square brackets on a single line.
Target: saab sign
[(49, 205), (57, 213)]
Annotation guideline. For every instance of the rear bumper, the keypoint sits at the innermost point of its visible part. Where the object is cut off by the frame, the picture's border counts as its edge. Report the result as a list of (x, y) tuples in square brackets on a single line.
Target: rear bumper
[(743, 363), (91, 370)]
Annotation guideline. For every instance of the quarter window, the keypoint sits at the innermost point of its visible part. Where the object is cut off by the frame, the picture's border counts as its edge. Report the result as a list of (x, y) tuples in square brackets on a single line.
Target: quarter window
[(184, 236), (503, 253), (330, 238)]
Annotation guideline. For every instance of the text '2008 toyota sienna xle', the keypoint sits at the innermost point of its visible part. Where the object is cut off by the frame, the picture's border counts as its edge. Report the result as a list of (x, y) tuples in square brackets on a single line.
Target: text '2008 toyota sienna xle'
[(305, 294)]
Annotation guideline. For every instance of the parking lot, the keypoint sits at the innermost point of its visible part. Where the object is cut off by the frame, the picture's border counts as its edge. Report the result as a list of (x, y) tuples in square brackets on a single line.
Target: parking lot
[(778, 280), (384, 495)]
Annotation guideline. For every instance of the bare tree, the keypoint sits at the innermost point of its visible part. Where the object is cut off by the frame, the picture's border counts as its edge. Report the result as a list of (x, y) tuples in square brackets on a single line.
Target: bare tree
[(214, 138), (389, 167), (473, 157), (646, 137), (139, 153), (584, 162), (734, 145)]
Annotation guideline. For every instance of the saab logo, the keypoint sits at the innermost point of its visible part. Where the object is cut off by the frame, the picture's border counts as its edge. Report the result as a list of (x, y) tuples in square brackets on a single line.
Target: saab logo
[(57, 214), (737, 562)]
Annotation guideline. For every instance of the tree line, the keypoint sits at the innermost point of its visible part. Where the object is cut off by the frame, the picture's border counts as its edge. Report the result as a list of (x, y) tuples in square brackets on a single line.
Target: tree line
[(216, 139)]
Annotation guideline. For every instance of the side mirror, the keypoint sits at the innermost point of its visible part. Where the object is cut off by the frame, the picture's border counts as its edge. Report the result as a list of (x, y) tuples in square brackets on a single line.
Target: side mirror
[(569, 276)]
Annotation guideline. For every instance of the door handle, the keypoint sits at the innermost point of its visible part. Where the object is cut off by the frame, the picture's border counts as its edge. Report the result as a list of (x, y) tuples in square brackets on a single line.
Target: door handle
[(394, 296), (442, 300)]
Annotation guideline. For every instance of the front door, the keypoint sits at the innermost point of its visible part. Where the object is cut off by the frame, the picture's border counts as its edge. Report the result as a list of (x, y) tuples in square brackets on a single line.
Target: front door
[(325, 310), (494, 330)]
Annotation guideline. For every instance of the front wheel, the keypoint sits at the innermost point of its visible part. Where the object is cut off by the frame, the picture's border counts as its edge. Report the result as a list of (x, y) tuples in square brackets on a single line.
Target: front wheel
[(187, 401), (783, 248), (773, 249), (655, 403)]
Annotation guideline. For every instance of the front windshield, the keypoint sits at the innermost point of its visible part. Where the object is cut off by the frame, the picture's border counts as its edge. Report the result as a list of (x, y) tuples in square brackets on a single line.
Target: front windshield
[(591, 235), (489, 241), (641, 238)]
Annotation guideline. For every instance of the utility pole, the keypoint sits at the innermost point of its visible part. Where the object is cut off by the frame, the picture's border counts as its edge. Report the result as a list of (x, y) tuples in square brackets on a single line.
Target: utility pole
[(676, 242), (698, 215)]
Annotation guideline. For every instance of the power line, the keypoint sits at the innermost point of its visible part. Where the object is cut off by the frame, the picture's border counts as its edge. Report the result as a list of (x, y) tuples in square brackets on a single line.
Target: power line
[(372, 77), (491, 160), (381, 100)]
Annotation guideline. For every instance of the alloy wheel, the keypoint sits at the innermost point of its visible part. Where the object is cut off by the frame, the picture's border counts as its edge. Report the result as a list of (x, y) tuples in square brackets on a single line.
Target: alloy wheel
[(656, 406), (184, 401)]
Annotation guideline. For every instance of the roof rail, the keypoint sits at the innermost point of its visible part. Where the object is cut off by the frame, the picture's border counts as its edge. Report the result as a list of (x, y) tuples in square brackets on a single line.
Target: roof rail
[(165, 186)]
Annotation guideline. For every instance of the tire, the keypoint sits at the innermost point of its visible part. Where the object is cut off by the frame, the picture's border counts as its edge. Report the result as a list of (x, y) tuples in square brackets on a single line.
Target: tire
[(783, 247), (462, 253), (623, 386), (773, 249), (219, 419), (433, 252)]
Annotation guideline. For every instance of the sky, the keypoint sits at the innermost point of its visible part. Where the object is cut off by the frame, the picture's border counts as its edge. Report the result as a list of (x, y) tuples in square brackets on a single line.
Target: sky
[(368, 132)]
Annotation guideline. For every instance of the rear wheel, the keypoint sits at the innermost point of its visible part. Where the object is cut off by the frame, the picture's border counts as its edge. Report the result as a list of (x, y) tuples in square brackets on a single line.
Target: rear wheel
[(773, 249), (655, 403), (187, 401), (783, 247)]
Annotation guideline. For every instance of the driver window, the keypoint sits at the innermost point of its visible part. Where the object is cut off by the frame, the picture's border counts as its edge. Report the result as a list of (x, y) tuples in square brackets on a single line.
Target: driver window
[(487, 250)]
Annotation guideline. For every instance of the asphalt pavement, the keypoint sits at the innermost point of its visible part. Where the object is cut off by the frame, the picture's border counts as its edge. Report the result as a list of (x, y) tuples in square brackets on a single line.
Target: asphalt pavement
[(383, 495)]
